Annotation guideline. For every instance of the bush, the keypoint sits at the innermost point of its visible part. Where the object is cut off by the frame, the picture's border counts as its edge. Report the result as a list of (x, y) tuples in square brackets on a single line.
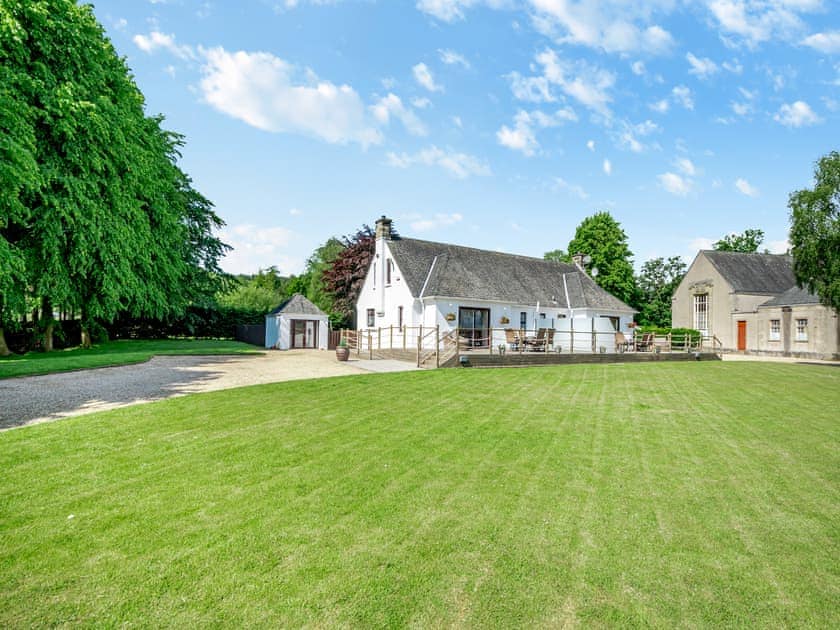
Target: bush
[(213, 322)]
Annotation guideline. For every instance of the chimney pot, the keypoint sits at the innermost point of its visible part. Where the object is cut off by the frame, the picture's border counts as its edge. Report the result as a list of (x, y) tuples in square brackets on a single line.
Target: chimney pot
[(383, 228)]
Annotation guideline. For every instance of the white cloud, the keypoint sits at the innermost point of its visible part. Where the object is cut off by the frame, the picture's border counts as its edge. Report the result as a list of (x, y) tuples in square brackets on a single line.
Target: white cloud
[(588, 84), (522, 137), (460, 165), (590, 144), (607, 166), (745, 188), (702, 67), (755, 21), (424, 77), (660, 106), (450, 57), (638, 68), (530, 89), (798, 114), (445, 10), (733, 66), (577, 191), (628, 136), (438, 221), (258, 247), (161, 41), (742, 109), (170, 70), (828, 42), (686, 166), (682, 95), (612, 26), (675, 184), (392, 105), (259, 89), (389, 83), (295, 212)]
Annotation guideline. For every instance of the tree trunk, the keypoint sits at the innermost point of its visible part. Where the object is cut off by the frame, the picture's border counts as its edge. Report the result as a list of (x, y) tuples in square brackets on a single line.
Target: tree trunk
[(49, 324), (4, 348), (85, 337)]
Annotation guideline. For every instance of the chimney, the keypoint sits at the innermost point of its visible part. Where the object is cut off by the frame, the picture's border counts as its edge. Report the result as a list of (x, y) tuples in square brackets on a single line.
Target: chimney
[(383, 228)]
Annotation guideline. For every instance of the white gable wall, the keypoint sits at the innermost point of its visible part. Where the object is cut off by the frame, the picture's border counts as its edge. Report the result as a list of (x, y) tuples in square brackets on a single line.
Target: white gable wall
[(385, 298)]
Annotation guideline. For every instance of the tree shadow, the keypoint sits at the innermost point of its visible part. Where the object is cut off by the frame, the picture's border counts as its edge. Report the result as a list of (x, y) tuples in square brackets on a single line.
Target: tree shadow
[(33, 399)]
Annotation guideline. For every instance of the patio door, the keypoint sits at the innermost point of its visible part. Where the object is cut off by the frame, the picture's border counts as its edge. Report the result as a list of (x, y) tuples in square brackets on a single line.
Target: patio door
[(474, 325), (304, 333)]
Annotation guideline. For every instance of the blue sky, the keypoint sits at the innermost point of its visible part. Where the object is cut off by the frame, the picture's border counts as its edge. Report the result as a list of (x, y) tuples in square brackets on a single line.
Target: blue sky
[(490, 123)]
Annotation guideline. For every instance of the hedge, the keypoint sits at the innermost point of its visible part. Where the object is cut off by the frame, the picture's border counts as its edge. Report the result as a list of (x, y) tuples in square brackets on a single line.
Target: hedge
[(215, 322), (677, 334)]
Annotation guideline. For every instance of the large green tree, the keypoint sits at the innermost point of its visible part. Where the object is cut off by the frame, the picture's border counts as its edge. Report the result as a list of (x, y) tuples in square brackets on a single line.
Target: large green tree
[(656, 283), (101, 219), (815, 232), (602, 238), (747, 242)]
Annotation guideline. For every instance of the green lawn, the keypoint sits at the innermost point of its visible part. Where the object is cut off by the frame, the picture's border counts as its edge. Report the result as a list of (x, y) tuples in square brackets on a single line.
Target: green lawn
[(667, 494), (114, 353)]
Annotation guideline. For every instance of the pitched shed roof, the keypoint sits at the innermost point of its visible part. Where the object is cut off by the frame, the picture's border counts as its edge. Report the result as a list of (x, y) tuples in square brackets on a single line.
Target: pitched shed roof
[(298, 305), (792, 297), (440, 269), (754, 273)]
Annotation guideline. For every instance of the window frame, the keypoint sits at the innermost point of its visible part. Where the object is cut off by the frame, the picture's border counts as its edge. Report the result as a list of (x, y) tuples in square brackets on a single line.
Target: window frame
[(400, 316), (801, 329), (775, 330), (698, 314), (371, 317)]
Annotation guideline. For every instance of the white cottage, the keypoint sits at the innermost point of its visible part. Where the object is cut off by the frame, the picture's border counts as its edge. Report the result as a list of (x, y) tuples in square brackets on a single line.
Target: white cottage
[(296, 323), (413, 282)]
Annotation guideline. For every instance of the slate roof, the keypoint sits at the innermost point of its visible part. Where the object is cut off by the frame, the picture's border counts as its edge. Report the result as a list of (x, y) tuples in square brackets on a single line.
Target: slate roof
[(298, 305), (792, 297), (444, 270), (768, 274)]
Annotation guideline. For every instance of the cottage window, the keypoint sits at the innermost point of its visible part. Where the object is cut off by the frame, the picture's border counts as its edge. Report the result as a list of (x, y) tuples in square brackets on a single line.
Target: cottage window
[(399, 316), (370, 317), (802, 330), (374, 275), (388, 266), (701, 313), (523, 320), (775, 330)]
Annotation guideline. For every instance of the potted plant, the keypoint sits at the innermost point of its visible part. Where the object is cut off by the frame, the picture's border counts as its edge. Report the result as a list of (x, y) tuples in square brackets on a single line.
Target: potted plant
[(504, 319), (450, 317), (342, 352)]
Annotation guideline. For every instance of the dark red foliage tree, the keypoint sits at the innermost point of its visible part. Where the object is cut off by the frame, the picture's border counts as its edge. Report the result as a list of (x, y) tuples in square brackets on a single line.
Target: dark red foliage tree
[(344, 278)]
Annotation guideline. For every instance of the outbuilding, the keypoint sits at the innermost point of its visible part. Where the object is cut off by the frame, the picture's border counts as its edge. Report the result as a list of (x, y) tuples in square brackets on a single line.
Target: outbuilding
[(296, 323)]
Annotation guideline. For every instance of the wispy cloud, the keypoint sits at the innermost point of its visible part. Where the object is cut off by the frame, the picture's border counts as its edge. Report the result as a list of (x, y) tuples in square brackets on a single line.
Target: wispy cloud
[(675, 184), (424, 77), (460, 165), (745, 188), (452, 58), (797, 114)]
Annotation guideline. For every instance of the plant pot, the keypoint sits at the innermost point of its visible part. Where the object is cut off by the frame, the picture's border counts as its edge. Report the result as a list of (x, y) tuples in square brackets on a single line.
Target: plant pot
[(342, 353)]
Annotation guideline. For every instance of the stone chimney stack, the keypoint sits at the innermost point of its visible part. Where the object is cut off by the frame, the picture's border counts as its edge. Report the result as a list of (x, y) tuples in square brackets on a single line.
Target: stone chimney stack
[(383, 228)]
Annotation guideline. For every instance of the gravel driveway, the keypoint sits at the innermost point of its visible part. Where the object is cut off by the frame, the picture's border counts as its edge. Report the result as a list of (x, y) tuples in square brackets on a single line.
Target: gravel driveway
[(32, 399)]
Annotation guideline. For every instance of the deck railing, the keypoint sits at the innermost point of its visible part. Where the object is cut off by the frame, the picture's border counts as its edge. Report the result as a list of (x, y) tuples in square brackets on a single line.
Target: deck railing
[(433, 346)]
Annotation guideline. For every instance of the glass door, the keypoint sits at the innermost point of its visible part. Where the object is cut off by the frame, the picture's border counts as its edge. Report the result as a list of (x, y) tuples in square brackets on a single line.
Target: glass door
[(304, 333), (474, 325)]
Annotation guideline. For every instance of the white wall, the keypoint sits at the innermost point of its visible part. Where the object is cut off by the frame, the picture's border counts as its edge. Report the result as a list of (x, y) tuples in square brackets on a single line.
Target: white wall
[(385, 298)]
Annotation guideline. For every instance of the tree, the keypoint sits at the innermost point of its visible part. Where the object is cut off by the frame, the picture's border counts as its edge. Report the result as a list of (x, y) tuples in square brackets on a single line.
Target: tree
[(747, 242), (261, 292), (657, 282), (111, 223), (815, 232), (604, 241), (557, 255), (343, 279)]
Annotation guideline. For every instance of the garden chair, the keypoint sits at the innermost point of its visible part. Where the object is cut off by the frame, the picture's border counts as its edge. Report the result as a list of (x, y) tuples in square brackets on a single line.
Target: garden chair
[(645, 344), (537, 342), (621, 343), (512, 338)]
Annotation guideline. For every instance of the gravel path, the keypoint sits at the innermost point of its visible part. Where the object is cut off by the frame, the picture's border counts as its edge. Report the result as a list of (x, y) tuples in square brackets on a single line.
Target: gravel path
[(33, 399)]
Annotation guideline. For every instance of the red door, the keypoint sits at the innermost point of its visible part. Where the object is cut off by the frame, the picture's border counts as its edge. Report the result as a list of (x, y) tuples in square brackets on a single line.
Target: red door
[(742, 334)]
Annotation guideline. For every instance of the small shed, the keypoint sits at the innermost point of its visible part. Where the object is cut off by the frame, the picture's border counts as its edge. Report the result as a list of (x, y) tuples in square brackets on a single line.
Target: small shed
[(296, 323)]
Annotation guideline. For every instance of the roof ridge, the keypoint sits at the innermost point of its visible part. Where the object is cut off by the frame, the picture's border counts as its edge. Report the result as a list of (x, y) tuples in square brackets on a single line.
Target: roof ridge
[(492, 251)]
